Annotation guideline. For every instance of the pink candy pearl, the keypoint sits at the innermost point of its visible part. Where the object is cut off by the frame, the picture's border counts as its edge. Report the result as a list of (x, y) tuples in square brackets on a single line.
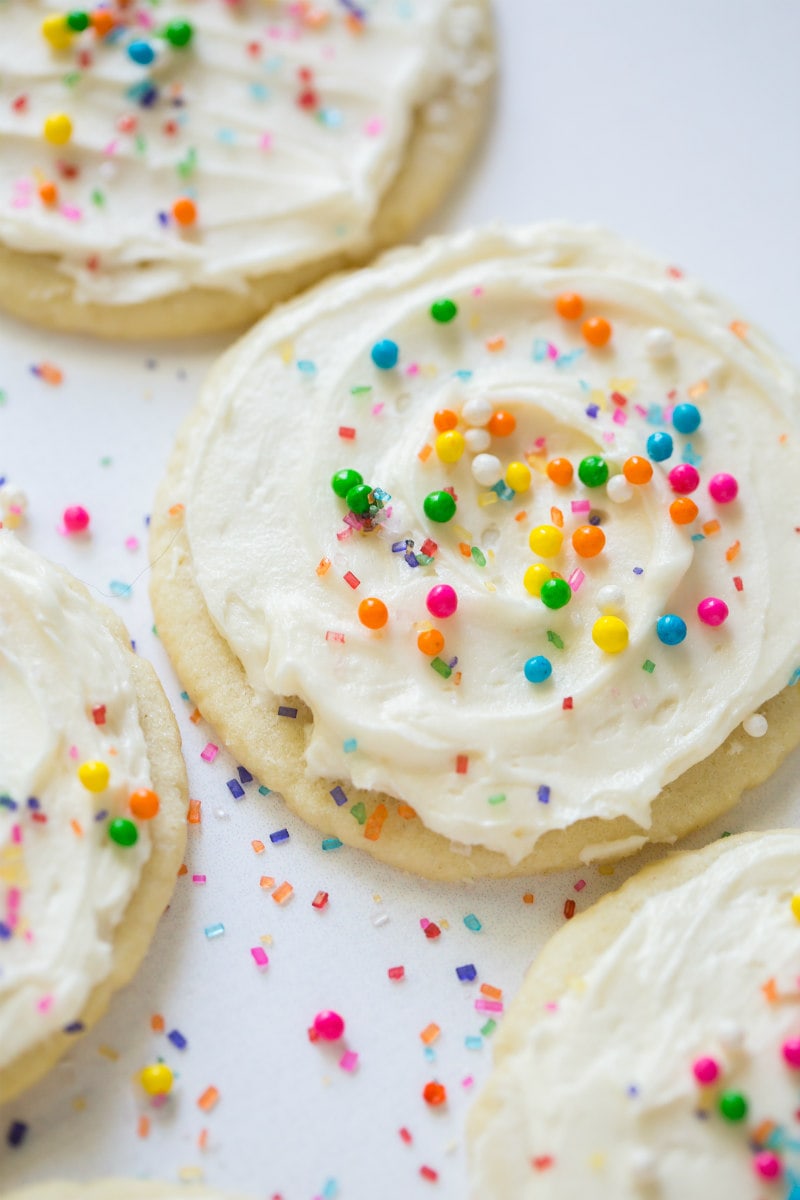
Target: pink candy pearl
[(712, 611), (705, 1071), (442, 600), (791, 1052), (329, 1026), (723, 488), (76, 519), (683, 479), (767, 1165)]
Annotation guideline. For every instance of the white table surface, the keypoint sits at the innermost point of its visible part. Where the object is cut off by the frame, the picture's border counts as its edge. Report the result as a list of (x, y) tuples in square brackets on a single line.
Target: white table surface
[(677, 125)]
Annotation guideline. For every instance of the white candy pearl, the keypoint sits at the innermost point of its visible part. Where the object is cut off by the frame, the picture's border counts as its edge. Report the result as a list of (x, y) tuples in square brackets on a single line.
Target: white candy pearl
[(618, 489), (643, 1165), (477, 440), (611, 599), (476, 411), (487, 469), (755, 725), (731, 1035), (659, 343)]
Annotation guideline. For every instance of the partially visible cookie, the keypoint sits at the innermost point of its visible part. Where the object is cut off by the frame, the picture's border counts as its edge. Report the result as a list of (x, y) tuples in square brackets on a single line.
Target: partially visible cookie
[(654, 1049), (117, 1189), (92, 811), (217, 158)]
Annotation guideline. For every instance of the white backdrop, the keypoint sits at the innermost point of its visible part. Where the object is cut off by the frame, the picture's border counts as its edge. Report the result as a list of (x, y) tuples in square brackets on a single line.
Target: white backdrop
[(677, 125)]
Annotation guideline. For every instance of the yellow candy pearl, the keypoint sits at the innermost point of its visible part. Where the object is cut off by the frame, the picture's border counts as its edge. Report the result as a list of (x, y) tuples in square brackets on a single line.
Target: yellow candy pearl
[(518, 476), (545, 540), (156, 1079), (610, 634), (94, 776), (58, 129), (796, 905), (450, 446), (535, 577), (57, 32)]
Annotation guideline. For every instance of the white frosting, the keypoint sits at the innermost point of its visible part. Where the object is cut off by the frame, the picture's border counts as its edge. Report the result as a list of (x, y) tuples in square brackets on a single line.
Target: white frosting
[(276, 185), (64, 885), (261, 515), (682, 981)]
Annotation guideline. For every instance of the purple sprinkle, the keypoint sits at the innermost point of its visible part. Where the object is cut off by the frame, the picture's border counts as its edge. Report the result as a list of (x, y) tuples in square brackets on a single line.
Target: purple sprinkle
[(633, 1090), (33, 803), (280, 835), (399, 547), (595, 519), (592, 410), (411, 559), (543, 794), (74, 1027), (101, 815), (7, 802), (244, 775), (163, 218), (235, 789), (638, 570), (177, 1039), (17, 1132), (467, 973), (338, 795), (285, 711), (5, 931)]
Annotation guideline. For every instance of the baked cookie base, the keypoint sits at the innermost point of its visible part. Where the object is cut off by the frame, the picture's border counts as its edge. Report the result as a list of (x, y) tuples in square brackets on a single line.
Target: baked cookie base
[(135, 931)]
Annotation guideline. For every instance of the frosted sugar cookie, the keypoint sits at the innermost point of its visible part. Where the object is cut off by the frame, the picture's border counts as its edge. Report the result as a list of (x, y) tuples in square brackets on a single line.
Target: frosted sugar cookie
[(92, 811), (489, 547), (178, 168), (117, 1189), (654, 1049)]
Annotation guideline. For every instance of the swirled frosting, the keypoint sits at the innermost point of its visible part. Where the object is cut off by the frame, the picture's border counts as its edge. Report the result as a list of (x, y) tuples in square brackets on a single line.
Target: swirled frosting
[(66, 698), (598, 1096), (284, 122), (483, 755)]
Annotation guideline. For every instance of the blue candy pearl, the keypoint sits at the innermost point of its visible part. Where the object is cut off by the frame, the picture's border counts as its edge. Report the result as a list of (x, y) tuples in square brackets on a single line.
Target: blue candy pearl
[(141, 53), (385, 354), (538, 668), (671, 629), (659, 446), (686, 418)]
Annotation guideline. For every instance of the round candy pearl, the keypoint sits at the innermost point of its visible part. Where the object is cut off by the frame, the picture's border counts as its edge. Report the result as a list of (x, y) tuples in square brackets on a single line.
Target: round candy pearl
[(611, 599), (502, 424), (76, 519), (659, 446), (445, 419), (683, 511), (344, 480), (686, 418), (705, 1071), (755, 725), (329, 1026), (434, 1094), (450, 446), (535, 578), (78, 21), (141, 53), (476, 411), (723, 488), (184, 210), (538, 669), (178, 33), (439, 506), (560, 471), (442, 601), (596, 331), (619, 490), (430, 642), (385, 354), (58, 129), (733, 1106), (795, 906), (357, 498), (671, 629), (123, 832), (637, 469), (731, 1035), (593, 471), (545, 540), (487, 469), (555, 593), (156, 1079), (683, 479), (659, 343), (569, 305), (144, 804), (477, 440), (791, 1052), (610, 634), (94, 776), (373, 613), (444, 311), (712, 611), (643, 1165), (767, 1165), (57, 32), (518, 476), (588, 540)]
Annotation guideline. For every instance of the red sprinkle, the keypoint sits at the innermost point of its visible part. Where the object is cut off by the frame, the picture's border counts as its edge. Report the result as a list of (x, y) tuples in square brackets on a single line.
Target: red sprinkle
[(396, 972), (429, 1173), (569, 909)]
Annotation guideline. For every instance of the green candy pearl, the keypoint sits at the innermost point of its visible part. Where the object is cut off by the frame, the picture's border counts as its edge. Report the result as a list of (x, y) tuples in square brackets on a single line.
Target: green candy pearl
[(733, 1106), (444, 311), (439, 506), (344, 480), (593, 471), (556, 593), (179, 33), (78, 21), (357, 498), (123, 832)]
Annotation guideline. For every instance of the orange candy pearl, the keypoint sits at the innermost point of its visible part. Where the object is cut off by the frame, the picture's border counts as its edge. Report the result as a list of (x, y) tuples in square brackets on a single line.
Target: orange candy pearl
[(48, 193), (683, 510), (588, 540), (430, 642), (569, 305), (184, 211), (144, 804), (502, 424), (373, 613), (637, 470), (596, 331), (560, 471), (445, 419)]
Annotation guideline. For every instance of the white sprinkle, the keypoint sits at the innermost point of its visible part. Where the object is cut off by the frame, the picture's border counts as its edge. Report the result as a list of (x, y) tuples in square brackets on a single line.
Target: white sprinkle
[(755, 725)]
